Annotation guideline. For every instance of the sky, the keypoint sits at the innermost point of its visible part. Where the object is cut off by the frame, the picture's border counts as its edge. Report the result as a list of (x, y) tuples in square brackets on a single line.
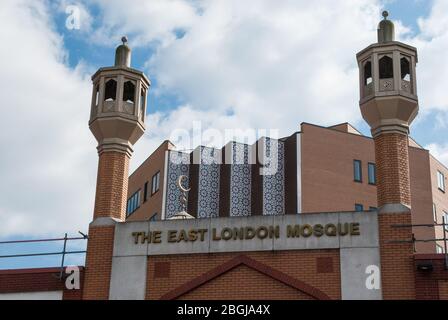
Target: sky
[(260, 64)]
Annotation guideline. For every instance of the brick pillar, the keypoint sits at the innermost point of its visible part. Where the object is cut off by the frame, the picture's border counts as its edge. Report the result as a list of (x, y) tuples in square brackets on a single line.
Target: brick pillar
[(392, 161), (394, 200), (110, 202), (112, 185)]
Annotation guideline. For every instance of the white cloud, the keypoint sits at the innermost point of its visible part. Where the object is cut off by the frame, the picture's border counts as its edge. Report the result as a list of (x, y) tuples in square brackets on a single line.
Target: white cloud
[(147, 21), (439, 151), (432, 70), (48, 161), (272, 64)]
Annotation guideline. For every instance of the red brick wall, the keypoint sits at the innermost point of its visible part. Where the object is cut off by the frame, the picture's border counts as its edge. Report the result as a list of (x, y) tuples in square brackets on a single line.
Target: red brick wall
[(431, 285), (397, 265), (98, 263), (392, 163), (112, 185), (243, 281), (37, 280)]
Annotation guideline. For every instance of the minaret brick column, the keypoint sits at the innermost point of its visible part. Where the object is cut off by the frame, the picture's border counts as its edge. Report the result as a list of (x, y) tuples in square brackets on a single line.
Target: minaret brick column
[(389, 104), (117, 122), (112, 185)]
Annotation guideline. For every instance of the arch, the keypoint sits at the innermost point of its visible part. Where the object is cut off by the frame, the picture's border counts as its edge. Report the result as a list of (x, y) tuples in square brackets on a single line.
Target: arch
[(368, 73), (110, 93), (405, 69), (97, 95), (142, 103), (386, 66), (253, 264), (129, 92)]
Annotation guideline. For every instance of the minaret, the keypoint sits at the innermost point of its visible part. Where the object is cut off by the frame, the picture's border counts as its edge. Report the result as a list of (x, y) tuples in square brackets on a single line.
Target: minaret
[(389, 104), (117, 120)]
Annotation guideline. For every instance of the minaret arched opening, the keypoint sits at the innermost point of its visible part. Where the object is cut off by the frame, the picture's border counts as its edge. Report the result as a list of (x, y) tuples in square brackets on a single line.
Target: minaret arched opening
[(368, 73), (386, 66), (129, 92), (142, 104), (405, 69), (110, 93)]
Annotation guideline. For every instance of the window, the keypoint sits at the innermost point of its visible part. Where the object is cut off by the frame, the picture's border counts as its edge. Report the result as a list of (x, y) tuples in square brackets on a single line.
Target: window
[(155, 183), (153, 217), (372, 173), (373, 208), (359, 207), (129, 92), (445, 220), (405, 69), (357, 170), (439, 249), (434, 212), (142, 104), (145, 192), (97, 95), (441, 181), (111, 90), (133, 203), (386, 68), (368, 73)]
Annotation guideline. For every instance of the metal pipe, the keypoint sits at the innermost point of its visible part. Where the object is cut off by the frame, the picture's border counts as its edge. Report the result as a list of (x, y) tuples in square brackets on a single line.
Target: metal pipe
[(445, 240), (63, 256), (41, 240), (40, 254)]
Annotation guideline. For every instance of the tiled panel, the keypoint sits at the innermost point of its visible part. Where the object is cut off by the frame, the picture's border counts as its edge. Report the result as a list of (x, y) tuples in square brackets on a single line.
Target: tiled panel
[(208, 182), (273, 177), (178, 164), (240, 180)]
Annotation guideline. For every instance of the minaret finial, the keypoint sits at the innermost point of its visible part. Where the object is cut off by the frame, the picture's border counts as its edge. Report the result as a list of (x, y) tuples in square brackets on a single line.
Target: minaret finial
[(123, 54), (386, 29)]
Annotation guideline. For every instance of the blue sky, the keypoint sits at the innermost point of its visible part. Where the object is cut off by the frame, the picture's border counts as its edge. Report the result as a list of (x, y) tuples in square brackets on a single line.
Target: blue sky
[(230, 64)]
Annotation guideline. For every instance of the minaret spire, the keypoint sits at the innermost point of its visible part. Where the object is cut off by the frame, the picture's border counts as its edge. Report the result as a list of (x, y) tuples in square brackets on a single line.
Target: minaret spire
[(386, 29)]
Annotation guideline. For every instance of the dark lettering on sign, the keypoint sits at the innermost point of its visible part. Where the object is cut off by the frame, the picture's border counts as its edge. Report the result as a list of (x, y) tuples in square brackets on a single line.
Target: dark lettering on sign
[(249, 233)]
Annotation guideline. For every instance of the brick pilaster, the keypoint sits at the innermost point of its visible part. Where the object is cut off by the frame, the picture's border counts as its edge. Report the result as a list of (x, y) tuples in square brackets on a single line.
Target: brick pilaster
[(397, 261), (112, 185), (394, 202), (98, 263), (110, 202), (392, 163)]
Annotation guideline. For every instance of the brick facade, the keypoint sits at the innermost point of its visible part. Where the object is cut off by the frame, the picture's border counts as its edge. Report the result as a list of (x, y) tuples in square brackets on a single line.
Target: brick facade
[(112, 185), (110, 201), (431, 284), (38, 280), (98, 263), (397, 267), (392, 162), (254, 275)]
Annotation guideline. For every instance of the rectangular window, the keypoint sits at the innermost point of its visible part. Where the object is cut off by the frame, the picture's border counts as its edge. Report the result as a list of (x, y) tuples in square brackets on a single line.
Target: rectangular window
[(441, 181), (133, 203), (439, 248), (357, 170), (359, 207), (445, 219), (373, 208), (155, 183), (153, 217), (434, 212), (372, 173), (145, 192)]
